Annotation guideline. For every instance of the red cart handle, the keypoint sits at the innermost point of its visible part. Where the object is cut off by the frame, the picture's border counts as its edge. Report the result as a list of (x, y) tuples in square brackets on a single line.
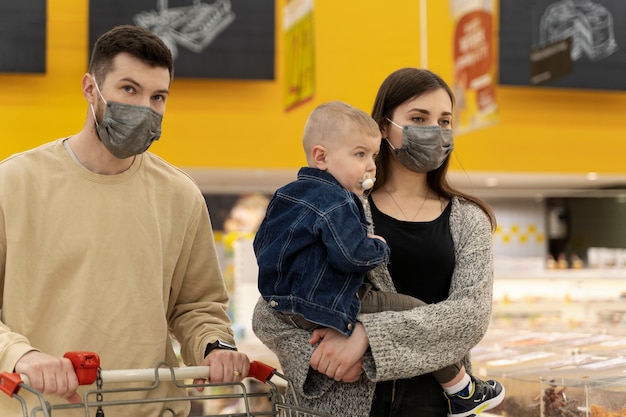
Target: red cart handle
[(261, 371), (10, 383), (86, 365)]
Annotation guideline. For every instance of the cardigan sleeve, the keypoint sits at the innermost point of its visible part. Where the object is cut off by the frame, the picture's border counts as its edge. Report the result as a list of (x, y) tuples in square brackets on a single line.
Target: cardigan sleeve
[(409, 343), (291, 346), (313, 390)]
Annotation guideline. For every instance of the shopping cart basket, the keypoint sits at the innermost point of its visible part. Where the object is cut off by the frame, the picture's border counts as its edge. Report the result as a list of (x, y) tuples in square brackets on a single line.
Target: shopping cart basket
[(87, 367)]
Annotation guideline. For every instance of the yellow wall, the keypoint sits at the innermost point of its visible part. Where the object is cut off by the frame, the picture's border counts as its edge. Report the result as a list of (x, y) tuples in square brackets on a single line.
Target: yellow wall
[(242, 124)]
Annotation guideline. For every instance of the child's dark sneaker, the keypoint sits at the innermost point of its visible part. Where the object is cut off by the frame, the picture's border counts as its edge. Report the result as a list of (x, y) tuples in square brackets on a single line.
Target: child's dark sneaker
[(484, 395)]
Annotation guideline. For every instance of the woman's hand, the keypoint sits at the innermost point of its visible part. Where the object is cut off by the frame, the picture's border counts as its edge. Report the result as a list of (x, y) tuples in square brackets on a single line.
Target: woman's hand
[(337, 356)]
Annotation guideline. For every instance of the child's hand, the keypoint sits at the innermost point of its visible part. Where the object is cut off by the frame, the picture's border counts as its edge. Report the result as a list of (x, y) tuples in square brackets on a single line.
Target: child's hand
[(370, 235)]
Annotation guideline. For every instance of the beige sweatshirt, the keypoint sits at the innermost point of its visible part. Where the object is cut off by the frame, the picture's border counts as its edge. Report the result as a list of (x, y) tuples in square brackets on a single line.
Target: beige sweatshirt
[(106, 263)]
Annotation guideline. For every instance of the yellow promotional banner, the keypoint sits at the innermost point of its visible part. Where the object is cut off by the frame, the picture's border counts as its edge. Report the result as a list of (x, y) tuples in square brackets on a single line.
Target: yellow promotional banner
[(475, 64), (300, 53)]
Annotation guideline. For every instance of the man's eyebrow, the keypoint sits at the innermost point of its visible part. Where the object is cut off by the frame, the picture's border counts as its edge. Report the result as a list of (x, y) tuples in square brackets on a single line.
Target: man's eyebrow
[(130, 80), (137, 84)]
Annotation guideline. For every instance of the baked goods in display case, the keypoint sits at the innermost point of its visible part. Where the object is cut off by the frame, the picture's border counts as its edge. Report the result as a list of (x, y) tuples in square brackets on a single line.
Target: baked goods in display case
[(555, 374)]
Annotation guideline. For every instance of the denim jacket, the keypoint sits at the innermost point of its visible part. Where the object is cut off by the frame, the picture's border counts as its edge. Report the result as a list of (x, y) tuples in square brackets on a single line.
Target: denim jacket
[(313, 251)]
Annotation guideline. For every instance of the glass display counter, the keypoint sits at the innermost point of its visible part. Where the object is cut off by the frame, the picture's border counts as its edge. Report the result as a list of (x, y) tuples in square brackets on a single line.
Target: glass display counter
[(593, 299)]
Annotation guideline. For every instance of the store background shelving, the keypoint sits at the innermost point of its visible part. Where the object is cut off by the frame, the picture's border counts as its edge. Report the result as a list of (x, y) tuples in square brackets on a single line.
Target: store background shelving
[(566, 299)]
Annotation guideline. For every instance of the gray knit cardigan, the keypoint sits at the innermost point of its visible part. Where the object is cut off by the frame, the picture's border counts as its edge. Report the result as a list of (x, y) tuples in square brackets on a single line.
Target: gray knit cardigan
[(402, 344)]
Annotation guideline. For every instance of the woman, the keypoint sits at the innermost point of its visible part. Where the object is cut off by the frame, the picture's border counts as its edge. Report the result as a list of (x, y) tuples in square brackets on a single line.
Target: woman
[(440, 241)]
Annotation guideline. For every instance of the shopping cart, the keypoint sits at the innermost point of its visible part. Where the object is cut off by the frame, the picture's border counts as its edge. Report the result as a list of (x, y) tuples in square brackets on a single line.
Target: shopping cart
[(87, 367)]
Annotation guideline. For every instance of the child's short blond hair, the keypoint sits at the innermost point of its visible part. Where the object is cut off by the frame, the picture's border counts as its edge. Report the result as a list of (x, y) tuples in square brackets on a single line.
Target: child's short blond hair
[(331, 121)]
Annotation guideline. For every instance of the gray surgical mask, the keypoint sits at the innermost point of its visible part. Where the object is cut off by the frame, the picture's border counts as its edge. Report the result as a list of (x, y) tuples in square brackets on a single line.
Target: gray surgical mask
[(424, 148), (127, 130)]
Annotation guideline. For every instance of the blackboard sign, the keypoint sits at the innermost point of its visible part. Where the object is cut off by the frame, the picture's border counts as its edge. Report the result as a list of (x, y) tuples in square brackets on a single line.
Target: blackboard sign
[(594, 29), (231, 39), (23, 36)]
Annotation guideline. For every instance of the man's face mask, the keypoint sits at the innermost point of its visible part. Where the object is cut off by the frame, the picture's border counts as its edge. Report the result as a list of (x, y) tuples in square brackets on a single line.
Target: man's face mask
[(127, 130), (424, 148)]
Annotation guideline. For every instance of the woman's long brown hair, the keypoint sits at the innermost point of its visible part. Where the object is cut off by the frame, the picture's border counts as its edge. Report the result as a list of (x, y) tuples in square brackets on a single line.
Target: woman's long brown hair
[(400, 86)]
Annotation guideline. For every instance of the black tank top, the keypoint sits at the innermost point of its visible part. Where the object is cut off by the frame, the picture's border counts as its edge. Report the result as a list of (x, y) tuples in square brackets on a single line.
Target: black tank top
[(422, 254)]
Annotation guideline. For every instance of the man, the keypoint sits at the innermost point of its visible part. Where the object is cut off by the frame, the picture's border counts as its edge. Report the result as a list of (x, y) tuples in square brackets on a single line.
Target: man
[(107, 248)]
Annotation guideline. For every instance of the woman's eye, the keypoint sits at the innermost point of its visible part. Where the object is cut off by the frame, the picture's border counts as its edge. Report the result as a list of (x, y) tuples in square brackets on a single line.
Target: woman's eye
[(360, 154), (445, 123), (129, 89)]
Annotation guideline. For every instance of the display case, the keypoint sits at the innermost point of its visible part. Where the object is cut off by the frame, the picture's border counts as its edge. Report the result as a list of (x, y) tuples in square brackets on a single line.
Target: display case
[(551, 374), (584, 397), (586, 299)]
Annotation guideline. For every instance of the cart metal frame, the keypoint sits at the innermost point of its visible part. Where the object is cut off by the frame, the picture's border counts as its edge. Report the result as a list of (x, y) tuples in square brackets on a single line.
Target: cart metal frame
[(88, 371)]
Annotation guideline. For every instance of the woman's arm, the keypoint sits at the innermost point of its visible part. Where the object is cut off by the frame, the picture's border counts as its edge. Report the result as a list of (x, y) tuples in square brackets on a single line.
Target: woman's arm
[(409, 343), (313, 390), (291, 347), (419, 341)]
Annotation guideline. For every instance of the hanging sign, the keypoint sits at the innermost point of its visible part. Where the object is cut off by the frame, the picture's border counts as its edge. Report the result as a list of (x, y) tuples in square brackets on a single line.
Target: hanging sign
[(475, 68), (300, 53)]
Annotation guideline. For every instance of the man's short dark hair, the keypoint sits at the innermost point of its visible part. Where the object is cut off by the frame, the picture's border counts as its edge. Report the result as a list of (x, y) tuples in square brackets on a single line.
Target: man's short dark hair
[(134, 40)]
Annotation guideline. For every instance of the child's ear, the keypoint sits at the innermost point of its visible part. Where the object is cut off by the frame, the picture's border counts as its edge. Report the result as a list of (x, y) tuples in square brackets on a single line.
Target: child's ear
[(319, 153)]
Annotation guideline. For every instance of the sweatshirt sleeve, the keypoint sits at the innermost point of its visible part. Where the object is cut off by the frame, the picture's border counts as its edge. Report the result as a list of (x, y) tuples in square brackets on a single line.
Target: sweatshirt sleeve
[(409, 343), (198, 302), (12, 345)]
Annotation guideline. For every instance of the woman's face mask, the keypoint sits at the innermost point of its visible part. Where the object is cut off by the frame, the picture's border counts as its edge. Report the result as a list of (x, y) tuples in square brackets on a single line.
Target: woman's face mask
[(127, 130), (424, 148)]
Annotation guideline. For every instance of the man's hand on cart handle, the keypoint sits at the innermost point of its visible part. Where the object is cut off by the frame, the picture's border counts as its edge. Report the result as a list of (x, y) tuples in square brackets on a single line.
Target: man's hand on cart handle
[(81, 368), (50, 375), (226, 366)]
